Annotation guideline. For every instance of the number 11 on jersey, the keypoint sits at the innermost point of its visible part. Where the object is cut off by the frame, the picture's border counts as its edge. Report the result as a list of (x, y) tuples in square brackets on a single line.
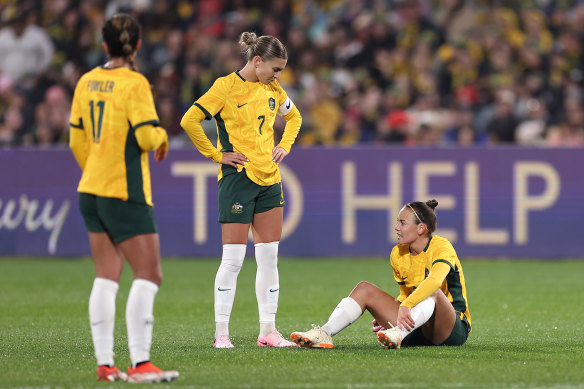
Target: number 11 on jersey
[(96, 130)]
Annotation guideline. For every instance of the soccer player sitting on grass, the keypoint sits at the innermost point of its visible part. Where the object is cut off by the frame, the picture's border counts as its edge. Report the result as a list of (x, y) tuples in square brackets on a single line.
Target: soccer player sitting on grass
[(432, 307)]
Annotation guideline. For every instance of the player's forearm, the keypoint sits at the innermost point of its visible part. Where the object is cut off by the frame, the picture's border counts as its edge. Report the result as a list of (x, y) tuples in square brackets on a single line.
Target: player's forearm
[(422, 292), (293, 123), (151, 138), (429, 285), (191, 123)]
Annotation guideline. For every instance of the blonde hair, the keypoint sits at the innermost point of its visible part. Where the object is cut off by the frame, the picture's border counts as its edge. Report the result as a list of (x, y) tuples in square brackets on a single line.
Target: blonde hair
[(266, 47)]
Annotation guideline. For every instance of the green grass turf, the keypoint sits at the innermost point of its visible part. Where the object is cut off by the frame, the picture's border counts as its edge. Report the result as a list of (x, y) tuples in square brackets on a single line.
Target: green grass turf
[(527, 328)]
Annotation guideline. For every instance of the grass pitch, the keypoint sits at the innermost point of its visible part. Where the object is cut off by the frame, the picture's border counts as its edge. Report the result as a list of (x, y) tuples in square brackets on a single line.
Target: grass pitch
[(527, 328)]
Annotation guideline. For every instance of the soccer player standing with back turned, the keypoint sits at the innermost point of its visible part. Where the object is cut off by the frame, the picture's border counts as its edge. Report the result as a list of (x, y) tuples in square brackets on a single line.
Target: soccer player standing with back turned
[(244, 105), (113, 127)]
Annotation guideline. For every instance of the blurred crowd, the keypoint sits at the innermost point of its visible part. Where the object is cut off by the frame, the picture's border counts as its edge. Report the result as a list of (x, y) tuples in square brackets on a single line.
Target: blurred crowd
[(409, 72)]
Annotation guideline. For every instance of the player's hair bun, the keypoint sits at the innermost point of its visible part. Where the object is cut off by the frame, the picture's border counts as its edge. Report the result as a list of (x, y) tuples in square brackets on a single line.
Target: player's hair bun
[(248, 38), (432, 203)]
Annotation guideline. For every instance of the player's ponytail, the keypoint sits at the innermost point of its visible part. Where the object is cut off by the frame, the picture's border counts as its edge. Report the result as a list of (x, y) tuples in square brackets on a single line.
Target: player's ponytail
[(121, 34), (266, 47)]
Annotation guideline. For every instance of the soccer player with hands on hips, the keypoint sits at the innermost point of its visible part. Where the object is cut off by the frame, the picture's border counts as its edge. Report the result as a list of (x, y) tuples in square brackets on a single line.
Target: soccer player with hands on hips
[(113, 126), (431, 309), (245, 104)]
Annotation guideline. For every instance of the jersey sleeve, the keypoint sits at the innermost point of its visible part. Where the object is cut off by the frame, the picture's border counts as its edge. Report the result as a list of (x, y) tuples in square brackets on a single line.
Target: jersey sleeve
[(77, 142), (438, 273), (443, 261), (151, 138), (213, 101), (141, 109), (191, 123), (75, 119), (293, 120)]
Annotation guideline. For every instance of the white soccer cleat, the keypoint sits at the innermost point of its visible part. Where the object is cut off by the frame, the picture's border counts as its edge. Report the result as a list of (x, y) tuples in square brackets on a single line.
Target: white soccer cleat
[(223, 342), (274, 339), (391, 338), (314, 338)]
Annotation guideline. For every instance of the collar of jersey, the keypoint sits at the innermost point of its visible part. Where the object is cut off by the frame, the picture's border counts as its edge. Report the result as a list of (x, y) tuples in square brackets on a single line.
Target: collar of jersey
[(240, 76), (115, 67)]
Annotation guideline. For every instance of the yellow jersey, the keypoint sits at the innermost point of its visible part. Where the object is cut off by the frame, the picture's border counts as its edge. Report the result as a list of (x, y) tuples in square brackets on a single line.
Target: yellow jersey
[(245, 113), (109, 106), (437, 267)]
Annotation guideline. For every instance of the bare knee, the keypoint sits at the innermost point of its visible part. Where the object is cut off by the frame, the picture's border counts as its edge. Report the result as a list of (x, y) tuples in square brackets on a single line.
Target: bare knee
[(152, 275), (362, 290), (364, 285)]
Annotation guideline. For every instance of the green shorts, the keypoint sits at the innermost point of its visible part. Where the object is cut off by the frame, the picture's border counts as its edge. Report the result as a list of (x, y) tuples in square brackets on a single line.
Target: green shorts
[(239, 198), (120, 219), (457, 337)]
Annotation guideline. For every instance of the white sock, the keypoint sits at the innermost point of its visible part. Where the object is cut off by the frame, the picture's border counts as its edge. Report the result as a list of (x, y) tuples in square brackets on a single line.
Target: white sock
[(140, 319), (102, 314), (267, 285), (344, 315), (225, 285), (421, 313)]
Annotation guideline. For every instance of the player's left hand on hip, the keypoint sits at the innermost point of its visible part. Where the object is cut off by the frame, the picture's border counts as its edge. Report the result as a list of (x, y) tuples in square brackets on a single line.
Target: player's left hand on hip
[(278, 154)]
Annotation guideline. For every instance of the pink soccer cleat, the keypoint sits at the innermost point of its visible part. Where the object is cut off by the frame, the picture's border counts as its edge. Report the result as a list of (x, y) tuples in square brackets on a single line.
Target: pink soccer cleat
[(274, 339), (223, 342)]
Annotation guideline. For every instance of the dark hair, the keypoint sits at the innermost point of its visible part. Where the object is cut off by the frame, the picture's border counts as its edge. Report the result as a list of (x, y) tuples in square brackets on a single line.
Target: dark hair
[(266, 47), (121, 34), (425, 213)]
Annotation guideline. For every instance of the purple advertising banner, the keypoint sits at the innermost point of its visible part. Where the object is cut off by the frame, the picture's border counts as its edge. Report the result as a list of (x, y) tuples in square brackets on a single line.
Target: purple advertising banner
[(493, 202)]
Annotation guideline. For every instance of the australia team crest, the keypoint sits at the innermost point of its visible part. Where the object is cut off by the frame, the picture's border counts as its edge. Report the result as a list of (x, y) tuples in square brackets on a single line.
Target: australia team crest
[(272, 103), (236, 208)]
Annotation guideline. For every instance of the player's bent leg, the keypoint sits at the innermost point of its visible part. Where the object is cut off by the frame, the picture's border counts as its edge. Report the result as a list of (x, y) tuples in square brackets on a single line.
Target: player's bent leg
[(382, 306), (440, 325)]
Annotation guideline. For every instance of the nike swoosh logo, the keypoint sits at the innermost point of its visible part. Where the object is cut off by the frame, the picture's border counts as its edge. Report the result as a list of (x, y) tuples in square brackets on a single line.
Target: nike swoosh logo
[(274, 290), (97, 322), (288, 106), (223, 290), (239, 106), (282, 202), (264, 343)]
